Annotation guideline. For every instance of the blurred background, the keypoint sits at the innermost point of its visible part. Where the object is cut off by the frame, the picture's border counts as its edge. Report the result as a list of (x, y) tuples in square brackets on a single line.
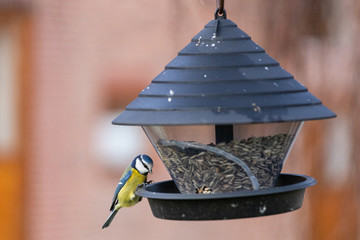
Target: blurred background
[(68, 68)]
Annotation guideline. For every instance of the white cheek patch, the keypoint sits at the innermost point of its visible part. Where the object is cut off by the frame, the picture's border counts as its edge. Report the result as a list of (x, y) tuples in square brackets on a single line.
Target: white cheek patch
[(140, 167), (149, 166)]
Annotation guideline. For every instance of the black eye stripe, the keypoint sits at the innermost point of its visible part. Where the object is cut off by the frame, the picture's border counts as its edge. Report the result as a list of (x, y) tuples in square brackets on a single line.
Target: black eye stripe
[(145, 165)]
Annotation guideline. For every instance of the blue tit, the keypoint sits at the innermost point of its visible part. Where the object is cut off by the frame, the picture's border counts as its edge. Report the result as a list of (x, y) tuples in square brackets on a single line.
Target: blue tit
[(134, 175)]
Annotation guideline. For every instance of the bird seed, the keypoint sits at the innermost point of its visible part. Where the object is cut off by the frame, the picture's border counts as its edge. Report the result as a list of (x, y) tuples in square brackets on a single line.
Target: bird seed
[(197, 170)]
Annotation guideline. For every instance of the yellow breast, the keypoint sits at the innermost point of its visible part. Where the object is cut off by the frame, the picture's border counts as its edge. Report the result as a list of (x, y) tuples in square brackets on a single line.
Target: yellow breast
[(127, 196)]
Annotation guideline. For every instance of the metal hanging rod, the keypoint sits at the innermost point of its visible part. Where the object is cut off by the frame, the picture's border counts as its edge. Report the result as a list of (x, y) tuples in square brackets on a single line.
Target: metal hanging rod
[(220, 6)]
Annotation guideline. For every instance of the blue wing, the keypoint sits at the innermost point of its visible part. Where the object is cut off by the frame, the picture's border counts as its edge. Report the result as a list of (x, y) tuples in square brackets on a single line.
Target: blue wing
[(122, 182)]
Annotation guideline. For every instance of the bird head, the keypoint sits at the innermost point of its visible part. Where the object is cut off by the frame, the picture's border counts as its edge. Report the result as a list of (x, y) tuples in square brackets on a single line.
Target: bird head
[(143, 164)]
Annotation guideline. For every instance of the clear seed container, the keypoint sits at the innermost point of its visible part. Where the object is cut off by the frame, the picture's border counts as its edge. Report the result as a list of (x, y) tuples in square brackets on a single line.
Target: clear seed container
[(223, 158)]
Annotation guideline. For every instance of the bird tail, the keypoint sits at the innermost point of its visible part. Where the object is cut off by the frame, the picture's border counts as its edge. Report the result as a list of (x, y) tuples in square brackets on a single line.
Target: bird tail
[(110, 218)]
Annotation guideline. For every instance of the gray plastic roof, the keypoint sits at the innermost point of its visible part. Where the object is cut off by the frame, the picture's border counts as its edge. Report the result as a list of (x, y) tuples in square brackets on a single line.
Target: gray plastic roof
[(222, 77)]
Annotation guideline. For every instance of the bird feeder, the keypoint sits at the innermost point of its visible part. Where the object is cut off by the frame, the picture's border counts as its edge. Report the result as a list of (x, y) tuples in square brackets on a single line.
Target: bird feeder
[(223, 116)]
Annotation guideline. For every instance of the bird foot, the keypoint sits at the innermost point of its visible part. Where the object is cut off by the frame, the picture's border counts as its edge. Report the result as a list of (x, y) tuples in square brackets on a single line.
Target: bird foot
[(144, 184), (149, 182)]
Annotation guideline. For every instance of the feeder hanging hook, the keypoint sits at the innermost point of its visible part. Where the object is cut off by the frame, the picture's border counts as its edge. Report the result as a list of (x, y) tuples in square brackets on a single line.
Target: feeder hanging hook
[(220, 11)]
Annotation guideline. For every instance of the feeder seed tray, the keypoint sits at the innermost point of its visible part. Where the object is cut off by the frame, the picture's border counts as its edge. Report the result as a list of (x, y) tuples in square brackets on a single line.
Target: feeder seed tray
[(167, 202)]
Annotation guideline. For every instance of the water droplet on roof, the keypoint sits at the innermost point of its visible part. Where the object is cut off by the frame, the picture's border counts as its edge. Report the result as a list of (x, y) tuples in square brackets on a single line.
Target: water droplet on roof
[(199, 39), (256, 108), (169, 99), (171, 92), (266, 68)]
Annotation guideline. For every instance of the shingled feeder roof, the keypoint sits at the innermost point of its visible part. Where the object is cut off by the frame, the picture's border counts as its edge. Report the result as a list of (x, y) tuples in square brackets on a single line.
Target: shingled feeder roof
[(222, 77)]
